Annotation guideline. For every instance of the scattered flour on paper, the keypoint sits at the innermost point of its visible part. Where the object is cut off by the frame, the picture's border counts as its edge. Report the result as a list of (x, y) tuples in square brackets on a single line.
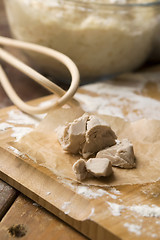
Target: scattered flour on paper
[(115, 191), (150, 192), (19, 132), (114, 88), (4, 126), (133, 228), (100, 105), (121, 101), (17, 117), (113, 196), (115, 105), (111, 87), (107, 87)]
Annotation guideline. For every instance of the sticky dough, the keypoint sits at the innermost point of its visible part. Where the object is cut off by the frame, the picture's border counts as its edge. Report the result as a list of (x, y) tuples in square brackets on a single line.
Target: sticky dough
[(86, 135), (79, 168), (121, 155), (97, 167)]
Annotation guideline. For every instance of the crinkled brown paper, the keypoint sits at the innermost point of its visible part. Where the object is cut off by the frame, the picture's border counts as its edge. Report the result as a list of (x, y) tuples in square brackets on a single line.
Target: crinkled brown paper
[(42, 146)]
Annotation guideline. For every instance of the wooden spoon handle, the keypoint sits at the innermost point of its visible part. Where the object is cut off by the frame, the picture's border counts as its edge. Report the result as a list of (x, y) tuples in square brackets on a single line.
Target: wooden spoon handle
[(65, 96)]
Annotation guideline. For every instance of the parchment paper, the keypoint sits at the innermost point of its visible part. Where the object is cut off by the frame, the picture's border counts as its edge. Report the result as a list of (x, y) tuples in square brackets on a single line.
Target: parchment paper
[(43, 147)]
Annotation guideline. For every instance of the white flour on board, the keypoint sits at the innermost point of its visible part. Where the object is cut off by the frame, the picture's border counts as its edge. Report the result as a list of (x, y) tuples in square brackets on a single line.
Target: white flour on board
[(134, 228), (145, 210), (32, 158), (4, 126), (16, 151), (141, 210), (139, 229), (153, 235), (66, 204), (48, 193), (89, 193), (115, 208), (65, 207), (92, 213)]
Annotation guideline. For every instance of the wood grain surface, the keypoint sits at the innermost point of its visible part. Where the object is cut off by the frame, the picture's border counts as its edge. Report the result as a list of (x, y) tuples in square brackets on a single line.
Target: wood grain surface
[(47, 225), (36, 223), (7, 193), (94, 217), (7, 197)]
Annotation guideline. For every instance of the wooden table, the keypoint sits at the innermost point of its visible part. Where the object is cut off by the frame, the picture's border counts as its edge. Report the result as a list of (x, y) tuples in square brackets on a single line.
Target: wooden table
[(19, 215), (22, 217)]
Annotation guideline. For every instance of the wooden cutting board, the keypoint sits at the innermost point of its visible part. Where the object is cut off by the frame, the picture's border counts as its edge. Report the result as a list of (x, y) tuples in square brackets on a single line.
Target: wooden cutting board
[(97, 213)]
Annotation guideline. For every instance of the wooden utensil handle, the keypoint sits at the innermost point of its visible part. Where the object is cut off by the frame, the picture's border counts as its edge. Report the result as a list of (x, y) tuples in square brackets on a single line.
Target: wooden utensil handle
[(64, 96)]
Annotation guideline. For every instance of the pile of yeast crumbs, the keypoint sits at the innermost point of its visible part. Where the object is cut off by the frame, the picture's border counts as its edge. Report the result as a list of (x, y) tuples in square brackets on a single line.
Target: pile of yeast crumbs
[(96, 142)]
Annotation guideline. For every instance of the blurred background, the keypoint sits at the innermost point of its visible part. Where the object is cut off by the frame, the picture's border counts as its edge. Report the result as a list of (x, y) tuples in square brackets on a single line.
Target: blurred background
[(104, 38)]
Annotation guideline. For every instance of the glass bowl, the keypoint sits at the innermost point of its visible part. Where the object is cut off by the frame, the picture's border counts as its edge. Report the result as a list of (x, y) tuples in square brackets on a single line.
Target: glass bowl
[(102, 37)]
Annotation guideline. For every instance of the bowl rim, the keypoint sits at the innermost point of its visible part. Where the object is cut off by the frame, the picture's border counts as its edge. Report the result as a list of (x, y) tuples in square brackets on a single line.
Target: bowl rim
[(119, 5), (101, 4)]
